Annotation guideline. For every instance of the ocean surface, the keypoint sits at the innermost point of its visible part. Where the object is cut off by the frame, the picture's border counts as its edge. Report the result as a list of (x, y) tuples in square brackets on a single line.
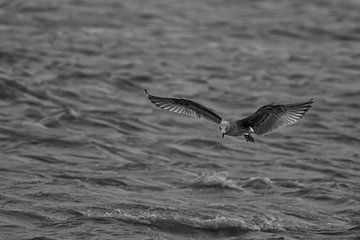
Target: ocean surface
[(84, 154)]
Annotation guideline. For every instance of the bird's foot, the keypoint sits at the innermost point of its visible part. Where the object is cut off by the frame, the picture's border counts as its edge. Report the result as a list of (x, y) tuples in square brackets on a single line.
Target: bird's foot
[(249, 138)]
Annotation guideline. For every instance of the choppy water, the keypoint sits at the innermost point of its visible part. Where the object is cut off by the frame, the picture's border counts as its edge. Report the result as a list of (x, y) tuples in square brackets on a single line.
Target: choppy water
[(85, 156)]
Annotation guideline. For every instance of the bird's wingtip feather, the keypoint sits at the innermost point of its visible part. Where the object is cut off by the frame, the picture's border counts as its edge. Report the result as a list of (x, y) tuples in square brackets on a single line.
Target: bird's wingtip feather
[(146, 91), (311, 101)]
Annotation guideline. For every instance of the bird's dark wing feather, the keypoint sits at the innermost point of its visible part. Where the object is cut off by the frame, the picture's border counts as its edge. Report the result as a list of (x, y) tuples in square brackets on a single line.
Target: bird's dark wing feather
[(271, 117), (184, 106)]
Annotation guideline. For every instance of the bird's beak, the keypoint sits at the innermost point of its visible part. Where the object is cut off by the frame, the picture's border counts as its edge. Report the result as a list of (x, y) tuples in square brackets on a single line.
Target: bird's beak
[(222, 135)]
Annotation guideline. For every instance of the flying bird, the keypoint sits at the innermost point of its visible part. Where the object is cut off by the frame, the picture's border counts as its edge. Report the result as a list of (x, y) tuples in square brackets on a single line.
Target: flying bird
[(266, 119)]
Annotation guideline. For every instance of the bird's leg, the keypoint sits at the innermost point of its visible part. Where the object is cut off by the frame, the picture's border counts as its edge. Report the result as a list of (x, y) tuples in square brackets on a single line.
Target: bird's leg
[(251, 130), (249, 138)]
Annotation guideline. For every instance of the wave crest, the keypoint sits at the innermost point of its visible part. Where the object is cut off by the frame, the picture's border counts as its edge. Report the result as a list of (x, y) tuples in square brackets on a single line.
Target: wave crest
[(214, 179)]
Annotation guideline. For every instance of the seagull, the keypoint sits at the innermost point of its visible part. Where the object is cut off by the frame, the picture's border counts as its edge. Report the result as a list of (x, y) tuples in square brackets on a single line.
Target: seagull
[(266, 119)]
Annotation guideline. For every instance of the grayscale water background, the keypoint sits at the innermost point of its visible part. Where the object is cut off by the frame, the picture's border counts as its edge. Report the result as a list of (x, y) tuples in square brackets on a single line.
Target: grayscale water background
[(84, 155)]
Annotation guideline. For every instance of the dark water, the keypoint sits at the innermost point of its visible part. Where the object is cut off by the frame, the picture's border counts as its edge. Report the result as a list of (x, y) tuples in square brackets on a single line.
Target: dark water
[(85, 156)]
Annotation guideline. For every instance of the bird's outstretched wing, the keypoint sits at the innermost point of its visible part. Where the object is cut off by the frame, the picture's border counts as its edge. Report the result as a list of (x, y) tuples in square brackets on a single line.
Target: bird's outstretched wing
[(184, 106), (271, 117)]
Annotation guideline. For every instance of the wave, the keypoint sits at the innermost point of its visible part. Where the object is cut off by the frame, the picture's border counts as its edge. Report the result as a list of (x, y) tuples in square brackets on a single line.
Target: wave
[(215, 180), (185, 221), (221, 180), (258, 183), (23, 218), (204, 144)]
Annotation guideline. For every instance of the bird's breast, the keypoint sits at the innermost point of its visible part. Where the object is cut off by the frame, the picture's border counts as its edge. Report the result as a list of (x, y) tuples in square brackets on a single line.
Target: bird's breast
[(235, 131)]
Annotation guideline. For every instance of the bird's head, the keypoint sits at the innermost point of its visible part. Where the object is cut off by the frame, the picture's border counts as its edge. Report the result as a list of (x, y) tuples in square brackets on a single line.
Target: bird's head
[(224, 127)]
